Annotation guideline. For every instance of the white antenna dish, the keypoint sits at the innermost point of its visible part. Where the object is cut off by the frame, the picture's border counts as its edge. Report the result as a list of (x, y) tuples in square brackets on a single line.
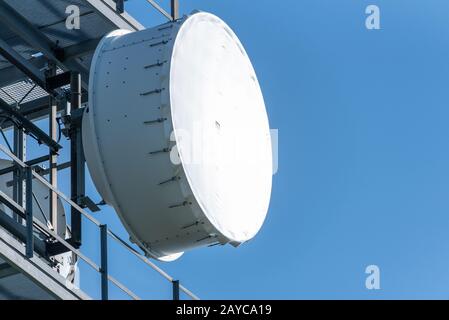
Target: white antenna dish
[(186, 91)]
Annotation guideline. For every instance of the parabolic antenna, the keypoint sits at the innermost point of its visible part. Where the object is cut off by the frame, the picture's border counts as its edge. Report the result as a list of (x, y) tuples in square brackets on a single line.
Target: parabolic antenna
[(176, 135)]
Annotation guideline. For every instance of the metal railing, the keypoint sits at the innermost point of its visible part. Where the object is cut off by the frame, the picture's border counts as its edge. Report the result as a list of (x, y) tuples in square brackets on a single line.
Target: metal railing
[(174, 8), (32, 223)]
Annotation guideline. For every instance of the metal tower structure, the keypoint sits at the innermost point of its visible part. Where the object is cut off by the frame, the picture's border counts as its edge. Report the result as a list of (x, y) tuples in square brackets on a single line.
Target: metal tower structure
[(44, 74)]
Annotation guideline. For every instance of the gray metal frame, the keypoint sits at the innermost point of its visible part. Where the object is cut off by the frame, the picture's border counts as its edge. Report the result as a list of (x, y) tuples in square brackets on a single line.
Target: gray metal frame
[(13, 252), (34, 224), (60, 64)]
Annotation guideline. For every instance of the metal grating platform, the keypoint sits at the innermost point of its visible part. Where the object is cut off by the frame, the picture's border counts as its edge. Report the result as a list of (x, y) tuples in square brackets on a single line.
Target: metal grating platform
[(36, 30)]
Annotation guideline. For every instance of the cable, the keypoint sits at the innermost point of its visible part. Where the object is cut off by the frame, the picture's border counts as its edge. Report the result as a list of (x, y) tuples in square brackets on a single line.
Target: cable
[(58, 120)]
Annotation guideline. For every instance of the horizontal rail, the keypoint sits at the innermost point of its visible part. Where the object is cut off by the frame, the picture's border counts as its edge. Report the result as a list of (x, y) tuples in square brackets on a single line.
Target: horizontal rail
[(69, 201), (48, 185), (160, 9), (188, 292), (123, 288), (45, 229), (74, 250), (151, 264), (140, 256)]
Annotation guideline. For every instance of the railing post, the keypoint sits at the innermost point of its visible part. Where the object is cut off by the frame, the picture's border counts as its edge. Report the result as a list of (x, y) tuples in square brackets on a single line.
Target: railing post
[(18, 177), (175, 289), (29, 213), (53, 156), (104, 262), (174, 5), (76, 157), (120, 6)]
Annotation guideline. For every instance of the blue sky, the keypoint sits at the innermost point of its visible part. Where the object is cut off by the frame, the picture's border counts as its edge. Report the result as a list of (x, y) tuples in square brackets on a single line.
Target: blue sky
[(364, 151), (363, 155)]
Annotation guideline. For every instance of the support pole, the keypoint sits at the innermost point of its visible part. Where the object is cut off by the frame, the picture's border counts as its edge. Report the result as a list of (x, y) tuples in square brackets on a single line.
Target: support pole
[(104, 262), (53, 157), (28, 126), (29, 213), (175, 289), (77, 156), (18, 183), (120, 6), (174, 5)]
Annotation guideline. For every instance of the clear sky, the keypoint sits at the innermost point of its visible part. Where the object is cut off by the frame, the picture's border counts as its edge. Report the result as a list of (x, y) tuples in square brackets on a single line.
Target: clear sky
[(363, 178)]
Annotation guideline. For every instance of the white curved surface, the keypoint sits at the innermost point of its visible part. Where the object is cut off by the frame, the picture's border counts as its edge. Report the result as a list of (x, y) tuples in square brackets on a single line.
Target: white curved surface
[(182, 91)]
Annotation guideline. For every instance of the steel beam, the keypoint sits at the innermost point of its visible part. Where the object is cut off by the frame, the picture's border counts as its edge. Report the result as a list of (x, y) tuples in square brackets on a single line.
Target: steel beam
[(21, 63), (65, 57), (27, 31), (53, 157), (29, 126), (77, 174), (29, 213), (104, 262), (108, 10), (74, 65), (7, 271), (21, 232), (12, 74), (160, 9), (28, 163), (175, 284), (18, 183), (32, 110), (41, 171), (120, 6), (59, 167), (33, 36), (37, 109), (81, 49), (12, 251)]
